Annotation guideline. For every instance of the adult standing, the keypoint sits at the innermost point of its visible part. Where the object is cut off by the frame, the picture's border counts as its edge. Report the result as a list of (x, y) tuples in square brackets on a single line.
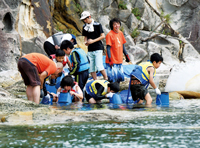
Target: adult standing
[(93, 33), (34, 68), (115, 41), (53, 42)]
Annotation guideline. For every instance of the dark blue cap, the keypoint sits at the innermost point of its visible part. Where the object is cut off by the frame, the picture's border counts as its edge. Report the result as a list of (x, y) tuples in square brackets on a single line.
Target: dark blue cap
[(74, 37)]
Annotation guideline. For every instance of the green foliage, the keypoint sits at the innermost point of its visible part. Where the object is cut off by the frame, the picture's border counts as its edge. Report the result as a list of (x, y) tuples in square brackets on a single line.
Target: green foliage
[(77, 7), (122, 5), (135, 33), (58, 28), (71, 31), (122, 29), (138, 17), (166, 17), (136, 12), (165, 32)]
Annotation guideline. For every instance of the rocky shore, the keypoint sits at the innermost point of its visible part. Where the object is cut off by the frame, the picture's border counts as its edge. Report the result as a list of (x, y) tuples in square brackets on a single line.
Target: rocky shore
[(16, 109)]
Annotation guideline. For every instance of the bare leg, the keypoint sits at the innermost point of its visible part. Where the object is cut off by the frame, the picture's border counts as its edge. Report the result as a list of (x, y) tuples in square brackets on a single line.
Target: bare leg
[(148, 99), (140, 102), (36, 94), (33, 93), (103, 72), (29, 93), (92, 101), (94, 75)]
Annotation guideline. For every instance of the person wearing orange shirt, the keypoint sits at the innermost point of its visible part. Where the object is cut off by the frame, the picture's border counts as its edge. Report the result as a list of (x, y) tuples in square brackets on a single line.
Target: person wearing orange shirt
[(115, 41), (34, 68)]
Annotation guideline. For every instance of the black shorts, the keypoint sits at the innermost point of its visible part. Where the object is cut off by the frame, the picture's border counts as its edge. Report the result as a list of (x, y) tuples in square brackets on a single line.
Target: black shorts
[(49, 48), (87, 96), (28, 72), (81, 78), (138, 90)]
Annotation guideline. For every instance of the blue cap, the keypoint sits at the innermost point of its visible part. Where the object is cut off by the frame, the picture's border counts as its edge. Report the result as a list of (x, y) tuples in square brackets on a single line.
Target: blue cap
[(74, 37)]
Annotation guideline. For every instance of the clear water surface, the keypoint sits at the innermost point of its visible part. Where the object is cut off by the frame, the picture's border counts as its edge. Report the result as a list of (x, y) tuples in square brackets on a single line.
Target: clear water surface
[(176, 126)]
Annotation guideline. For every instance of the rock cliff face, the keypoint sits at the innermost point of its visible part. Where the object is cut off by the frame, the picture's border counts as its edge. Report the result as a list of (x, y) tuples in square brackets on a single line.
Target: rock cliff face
[(169, 27), (9, 38), (32, 21), (24, 24)]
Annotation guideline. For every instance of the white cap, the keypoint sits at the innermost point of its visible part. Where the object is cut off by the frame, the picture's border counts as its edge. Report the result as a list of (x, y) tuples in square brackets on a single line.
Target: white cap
[(84, 14), (66, 36)]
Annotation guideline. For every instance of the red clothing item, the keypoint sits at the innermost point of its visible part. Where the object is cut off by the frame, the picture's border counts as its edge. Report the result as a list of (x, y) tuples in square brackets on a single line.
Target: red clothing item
[(72, 89), (42, 63), (53, 56), (116, 41)]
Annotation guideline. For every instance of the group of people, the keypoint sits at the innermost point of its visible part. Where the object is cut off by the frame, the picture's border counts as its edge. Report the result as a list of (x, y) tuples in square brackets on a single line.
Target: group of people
[(36, 68)]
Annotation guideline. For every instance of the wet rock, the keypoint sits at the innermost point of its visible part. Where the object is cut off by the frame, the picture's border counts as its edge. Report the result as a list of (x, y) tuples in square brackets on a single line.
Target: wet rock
[(175, 96), (57, 116), (18, 90), (189, 94), (41, 113), (10, 105), (9, 77)]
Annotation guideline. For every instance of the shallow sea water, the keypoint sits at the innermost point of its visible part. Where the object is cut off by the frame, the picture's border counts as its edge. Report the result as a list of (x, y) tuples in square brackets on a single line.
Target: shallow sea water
[(176, 126)]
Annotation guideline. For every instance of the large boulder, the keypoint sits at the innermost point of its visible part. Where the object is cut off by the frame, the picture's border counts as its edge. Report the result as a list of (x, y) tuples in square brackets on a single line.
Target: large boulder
[(34, 23), (184, 17), (184, 77), (20, 23), (9, 38), (177, 2)]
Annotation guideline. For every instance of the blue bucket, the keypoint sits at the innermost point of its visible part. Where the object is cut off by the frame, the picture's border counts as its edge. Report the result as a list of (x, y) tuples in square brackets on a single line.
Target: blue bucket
[(124, 94), (58, 80), (51, 88), (64, 99), (47, 100), (116, 99), (163, 99)]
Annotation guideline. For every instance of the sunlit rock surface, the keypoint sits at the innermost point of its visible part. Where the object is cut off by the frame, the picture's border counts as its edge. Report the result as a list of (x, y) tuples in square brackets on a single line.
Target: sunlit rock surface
[(177, 2), (184, 76)]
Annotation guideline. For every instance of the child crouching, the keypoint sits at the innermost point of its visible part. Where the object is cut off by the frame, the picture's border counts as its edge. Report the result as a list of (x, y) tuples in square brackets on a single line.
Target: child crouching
[(68, 85)]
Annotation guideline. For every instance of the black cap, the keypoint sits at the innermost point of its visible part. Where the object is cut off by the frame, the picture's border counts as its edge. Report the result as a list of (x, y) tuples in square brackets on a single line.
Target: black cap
[(114, 86)]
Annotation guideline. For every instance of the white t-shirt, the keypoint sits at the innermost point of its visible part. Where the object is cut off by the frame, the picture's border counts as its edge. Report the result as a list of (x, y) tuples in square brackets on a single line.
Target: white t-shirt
[(110, 95)]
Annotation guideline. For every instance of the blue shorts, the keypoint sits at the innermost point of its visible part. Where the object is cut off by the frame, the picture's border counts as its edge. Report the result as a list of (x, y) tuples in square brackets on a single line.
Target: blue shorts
[(96, 60)]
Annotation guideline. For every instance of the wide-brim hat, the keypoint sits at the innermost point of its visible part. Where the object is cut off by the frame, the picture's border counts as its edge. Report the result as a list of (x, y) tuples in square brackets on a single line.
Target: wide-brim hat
[(84, 14)]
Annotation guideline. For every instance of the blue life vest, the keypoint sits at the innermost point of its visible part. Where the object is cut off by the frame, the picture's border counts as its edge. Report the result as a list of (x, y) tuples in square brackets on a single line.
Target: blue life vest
[(84, 65), (141, 73), (91, 88)]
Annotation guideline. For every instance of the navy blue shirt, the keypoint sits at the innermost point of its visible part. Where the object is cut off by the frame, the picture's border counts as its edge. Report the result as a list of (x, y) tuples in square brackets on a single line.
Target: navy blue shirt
[(98, 30)]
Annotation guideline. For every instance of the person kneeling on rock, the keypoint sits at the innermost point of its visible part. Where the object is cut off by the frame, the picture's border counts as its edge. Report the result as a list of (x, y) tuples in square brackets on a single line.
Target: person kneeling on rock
[(68, 85), (96, 90), (141, 76)]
